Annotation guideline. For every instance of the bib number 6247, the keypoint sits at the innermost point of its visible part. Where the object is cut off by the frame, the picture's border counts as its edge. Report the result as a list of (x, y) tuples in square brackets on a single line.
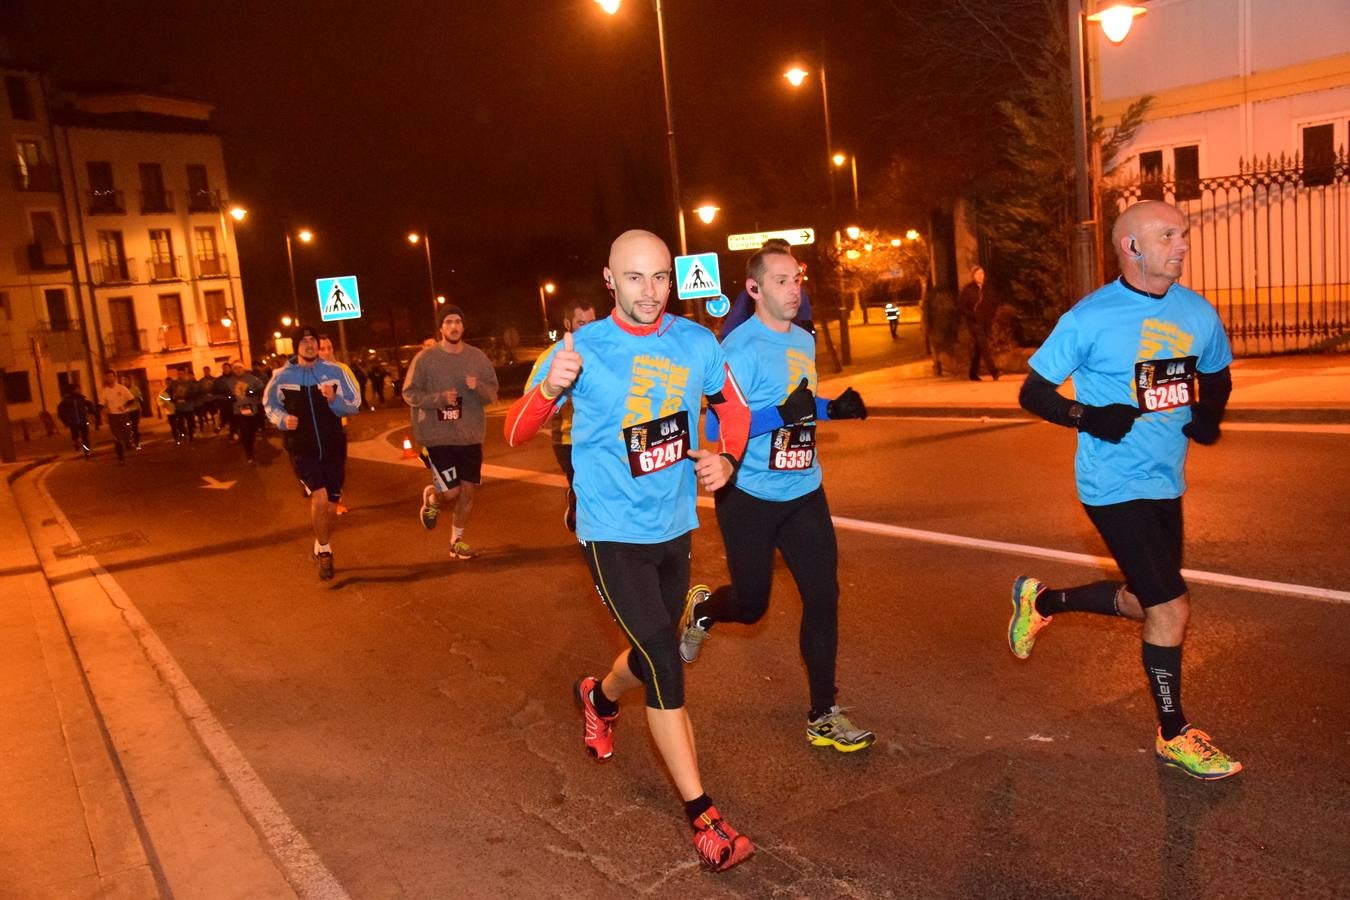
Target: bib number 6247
[(661, 456)]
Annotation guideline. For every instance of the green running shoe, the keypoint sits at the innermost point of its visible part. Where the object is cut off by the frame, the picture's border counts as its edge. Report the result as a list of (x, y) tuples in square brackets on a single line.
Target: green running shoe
[(461, 550), (430, 511), (1026, 622), (835, 730), (1193, 753)]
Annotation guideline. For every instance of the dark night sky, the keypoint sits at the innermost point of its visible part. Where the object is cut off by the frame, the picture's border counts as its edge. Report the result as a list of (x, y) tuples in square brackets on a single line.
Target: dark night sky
[(523, 133)]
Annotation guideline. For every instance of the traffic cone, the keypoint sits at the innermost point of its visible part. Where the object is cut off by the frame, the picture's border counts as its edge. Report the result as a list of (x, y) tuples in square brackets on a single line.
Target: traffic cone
[(408, 451)]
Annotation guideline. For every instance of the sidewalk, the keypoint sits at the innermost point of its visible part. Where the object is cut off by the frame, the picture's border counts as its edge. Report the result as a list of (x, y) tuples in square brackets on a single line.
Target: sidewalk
[(106, 789)]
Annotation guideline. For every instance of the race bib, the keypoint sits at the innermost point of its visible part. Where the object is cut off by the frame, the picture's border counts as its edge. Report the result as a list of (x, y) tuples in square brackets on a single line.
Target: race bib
[(793, 448), (1162, 384), (658, 444), (450, 413)]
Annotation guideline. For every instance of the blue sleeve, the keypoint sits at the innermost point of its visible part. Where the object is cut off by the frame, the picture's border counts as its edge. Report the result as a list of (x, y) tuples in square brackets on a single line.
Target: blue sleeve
[(1217, 355), (740, 312), (274, 406), (1060, 355), (804, 311), (347, 400)]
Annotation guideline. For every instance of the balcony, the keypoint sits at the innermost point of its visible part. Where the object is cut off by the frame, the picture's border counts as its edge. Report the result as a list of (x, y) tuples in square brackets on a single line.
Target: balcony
[(117, 271), (203, 201), (40, 177), (61, 341), (174, 336), (106, 202), (160, 201), (213, 266), (48, 257), (123, 344), (164, 268)]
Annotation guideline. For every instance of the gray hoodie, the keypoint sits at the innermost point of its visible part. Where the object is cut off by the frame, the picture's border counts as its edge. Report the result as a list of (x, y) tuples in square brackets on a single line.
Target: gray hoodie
[(434, 371)]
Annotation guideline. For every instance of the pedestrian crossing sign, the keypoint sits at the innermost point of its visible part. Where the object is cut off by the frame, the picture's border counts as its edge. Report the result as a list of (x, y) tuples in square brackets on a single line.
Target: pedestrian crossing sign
[(338, 298), (697, 275)]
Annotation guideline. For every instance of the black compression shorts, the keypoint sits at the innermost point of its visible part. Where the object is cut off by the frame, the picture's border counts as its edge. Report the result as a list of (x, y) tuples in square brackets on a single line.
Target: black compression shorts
[(1144, 537)]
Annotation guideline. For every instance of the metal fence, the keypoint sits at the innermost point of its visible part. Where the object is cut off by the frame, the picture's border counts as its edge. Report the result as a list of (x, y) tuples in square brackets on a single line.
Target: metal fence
[(1270, 248)]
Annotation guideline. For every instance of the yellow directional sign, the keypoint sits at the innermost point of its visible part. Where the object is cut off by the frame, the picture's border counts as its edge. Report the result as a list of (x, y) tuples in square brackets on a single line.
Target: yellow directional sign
[(756, 239)]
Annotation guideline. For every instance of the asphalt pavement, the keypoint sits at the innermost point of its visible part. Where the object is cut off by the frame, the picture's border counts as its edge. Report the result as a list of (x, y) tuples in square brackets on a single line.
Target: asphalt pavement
[(112, 784)]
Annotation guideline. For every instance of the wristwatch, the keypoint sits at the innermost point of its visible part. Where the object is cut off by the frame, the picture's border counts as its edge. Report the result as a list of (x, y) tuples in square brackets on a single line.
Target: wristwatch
[(1076, 414)]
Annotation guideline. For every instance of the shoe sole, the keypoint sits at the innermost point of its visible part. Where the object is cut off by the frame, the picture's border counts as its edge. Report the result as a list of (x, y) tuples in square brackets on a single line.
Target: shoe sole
[(581, 704), (1172, 764), (842, 748), (689, 605), (1017, 609)]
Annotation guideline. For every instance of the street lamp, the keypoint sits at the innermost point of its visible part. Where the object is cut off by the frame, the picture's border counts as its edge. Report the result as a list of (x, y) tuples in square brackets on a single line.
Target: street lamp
[(796, 76), (1115, 20), (852, 159), (706, 213), (612, 7), (546, 289), (287, 321), (425, 240), (305, 236)]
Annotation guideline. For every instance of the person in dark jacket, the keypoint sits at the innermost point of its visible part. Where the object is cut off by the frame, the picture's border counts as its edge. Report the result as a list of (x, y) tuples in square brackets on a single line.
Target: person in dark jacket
[(977, 304), (76, 412)]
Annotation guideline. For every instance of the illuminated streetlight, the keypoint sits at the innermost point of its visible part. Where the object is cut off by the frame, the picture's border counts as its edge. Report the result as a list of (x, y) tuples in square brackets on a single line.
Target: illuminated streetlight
[(895, 242), (238, 213), (706, 213), (912, 235), (545, 289), (226, 321), (415, 238), (612, 7), (440, 299), (839, 159), (1116, 20), (796, 75), (853, 231), (276, 335), (306, 236), (287, 321)]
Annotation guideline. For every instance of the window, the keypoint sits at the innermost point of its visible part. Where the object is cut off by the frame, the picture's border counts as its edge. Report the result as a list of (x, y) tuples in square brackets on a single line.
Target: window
[(209, 261), (1319, 154), (104, 198), (153, 196), (1151, 175), (113, 257), (197, 182), (162, 262), (1186, 172), (200, 196), (20, 101), (57, 314), (216, 310), (122, 316), (100, 175), (45, 232), (17, 388), (34, 172), (171, 321)]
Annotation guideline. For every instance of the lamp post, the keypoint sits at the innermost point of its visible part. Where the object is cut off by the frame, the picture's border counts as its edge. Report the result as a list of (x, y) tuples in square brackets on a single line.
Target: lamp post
[(425, 240), (795, 76), (612, 7), (707, 213), (546, 289), (852, 159), (1115, 20), (304, 235)]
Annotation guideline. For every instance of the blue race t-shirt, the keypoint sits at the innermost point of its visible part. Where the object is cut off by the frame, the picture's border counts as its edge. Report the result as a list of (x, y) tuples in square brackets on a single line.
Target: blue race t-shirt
[(635, 410), (768, 365), (1123, 346)]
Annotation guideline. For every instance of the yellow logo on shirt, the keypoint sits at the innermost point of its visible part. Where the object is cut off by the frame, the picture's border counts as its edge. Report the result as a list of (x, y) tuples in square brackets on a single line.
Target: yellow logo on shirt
[(656, 388)]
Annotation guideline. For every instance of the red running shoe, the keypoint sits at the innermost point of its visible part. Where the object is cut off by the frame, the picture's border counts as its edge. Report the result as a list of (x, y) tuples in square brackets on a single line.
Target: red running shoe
[(719, 845), (598, 732)]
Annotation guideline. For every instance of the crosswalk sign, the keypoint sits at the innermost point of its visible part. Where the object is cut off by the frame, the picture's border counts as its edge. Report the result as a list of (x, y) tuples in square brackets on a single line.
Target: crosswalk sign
[(697, 275), (338, 298)]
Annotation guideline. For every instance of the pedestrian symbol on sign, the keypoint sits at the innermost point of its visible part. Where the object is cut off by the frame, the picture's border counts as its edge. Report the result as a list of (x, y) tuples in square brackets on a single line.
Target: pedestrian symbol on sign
[(697, 275), (696, 280), (338, 298)]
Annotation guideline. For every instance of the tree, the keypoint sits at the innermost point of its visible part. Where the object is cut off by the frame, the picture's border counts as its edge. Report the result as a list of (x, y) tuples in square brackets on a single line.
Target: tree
[(1027, 219)]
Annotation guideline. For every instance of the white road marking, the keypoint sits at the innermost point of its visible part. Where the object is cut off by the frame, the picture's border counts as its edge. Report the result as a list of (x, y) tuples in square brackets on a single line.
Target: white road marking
[(378, 450), (302, 866)]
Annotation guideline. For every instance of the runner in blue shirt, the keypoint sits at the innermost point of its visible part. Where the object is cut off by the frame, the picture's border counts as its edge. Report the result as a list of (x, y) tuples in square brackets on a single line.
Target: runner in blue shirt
[(743, 307), (636, 382), (1149, 361), (776, 500)]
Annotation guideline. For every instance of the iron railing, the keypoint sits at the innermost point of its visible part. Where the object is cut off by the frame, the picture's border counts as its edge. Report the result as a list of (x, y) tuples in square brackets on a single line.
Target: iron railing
[(115, 271), (203, 201), (39, 177), (213, 266), (106, 202), (160, 201), (120, 344), (1270, 248), (164, 268)]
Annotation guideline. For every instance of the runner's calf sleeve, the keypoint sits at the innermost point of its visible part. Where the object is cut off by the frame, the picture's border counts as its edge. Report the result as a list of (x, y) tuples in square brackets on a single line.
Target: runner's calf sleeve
[(1162, 665)]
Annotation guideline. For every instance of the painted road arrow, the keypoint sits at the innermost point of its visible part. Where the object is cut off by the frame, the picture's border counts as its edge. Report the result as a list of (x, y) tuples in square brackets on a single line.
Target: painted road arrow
[(212, 484)]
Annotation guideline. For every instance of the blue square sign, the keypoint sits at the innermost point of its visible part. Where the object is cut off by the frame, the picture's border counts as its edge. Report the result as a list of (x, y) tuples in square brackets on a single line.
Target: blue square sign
[(338, 298), (697, 275)]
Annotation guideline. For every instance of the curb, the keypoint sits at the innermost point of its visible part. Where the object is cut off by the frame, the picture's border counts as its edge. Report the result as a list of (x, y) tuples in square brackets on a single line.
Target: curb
[(1288, 416)]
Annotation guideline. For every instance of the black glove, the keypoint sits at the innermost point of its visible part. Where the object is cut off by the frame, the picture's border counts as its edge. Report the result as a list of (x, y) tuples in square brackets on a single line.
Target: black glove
[(848, 405), (1203, 428), (1110, 423), (800, 405)]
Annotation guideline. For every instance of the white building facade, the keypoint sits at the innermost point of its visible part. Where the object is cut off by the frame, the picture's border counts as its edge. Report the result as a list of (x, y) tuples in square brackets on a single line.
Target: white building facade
[(115, 248), (1248, 132)]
